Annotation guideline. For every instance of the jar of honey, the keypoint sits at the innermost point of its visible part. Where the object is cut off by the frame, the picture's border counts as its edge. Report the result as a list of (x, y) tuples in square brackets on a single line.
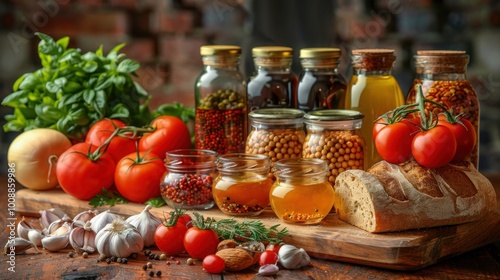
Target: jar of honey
[(277, 133), (220, 101), (373, 91), (320, 84), (335, 136), (187, 183), (301, 193), (243, 184), (442, 74), (274, 85)]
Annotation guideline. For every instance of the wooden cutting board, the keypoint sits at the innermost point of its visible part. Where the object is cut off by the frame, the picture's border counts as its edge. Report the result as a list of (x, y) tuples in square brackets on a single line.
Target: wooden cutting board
[(331, 239)]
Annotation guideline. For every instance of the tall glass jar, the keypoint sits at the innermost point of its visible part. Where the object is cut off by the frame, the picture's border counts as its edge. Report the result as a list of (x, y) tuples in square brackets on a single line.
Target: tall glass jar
[(442, 75), (243, 184), (335, 136), (373, 91), (274, 85), (320, 84), (221, 101), (277, 133), (187, 183), (301, 193)]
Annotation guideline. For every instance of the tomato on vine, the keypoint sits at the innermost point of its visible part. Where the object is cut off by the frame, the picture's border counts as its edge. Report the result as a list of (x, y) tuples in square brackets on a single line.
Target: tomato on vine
[(170, 133), (464, 132), (200, 240), (169, 235)]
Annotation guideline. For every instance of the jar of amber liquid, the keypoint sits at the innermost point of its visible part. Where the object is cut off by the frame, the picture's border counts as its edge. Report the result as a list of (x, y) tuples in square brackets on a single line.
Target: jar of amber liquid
[(320, 84), (274, 85), (373, 91), (277, 133), (442, 75), (335, 136), (301, 193), (187, 183), (243, 184), (220, 101)]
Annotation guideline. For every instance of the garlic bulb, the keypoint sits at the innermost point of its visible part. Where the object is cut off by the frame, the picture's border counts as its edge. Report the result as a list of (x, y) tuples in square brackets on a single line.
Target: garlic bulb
[(18, 245), (291, 257), (82, 239), (57, 239), (80, 219), (47, 217), (101, 220), (35, 236), (23, 228), (119, 239), (146, 224)]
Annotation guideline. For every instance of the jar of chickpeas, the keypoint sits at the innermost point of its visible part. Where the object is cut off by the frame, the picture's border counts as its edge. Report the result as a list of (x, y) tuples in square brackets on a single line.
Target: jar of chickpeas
[(335, 136), (276, 132)]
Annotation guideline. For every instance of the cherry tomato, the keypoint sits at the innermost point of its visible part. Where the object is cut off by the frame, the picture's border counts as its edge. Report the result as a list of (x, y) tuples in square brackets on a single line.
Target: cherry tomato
[(393, 142), (435, 147), (171, 134), (200, 243), (186, 219), (169, 239), (119, 146), (213, 264), (81, 176), (465, 135), (138, 176), (268, 257)]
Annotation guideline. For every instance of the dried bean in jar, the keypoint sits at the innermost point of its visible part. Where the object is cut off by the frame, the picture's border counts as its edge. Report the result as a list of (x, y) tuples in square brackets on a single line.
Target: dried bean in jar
[(276, 143)]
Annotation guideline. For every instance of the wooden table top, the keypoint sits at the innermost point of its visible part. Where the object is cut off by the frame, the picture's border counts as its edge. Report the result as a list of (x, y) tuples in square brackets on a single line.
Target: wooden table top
[(481, 263)]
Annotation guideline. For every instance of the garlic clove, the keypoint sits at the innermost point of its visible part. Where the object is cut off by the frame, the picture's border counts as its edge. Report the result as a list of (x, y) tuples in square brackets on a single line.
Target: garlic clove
[(291, 257), (83, 217), (23, 228), (146, 223), (55, 243), (82, 239), (18, 245), (101, 220), (47, 217), (56, 225), (268, 270), (35, 236)]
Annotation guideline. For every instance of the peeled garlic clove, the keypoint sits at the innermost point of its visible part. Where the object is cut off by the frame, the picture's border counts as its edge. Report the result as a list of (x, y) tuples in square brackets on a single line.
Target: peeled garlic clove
[(82, 239), (47, 217), (83, 217), (268, 270), (146, 224), (18, 245), (23, 228), (101, 220), (291, 257), (35, 236)]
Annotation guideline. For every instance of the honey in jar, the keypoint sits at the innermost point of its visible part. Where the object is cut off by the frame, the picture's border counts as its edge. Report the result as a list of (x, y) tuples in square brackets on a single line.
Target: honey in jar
[(373, 91), (442, 74), (243, 184), (301, 193)]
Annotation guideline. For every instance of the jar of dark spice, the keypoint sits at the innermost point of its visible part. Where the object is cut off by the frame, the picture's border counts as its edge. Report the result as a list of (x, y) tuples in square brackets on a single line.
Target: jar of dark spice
[(373, 91), (320, 84), (187, 183), (442, 74), (274, 85), (221, 101), (335, 136), (277, 133), (243, 184)]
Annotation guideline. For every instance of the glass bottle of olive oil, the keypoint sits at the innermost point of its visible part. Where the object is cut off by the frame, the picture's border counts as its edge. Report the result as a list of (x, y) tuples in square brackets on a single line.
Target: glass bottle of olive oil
[(373, 91)]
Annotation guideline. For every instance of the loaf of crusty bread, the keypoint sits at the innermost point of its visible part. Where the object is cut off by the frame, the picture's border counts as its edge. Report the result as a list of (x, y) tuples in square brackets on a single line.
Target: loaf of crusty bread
[(390, 197)]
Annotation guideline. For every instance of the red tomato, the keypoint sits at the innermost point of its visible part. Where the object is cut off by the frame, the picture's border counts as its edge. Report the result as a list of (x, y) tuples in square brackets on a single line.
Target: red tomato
[(213, 264), (186, 219), (200, 243), (435, 147), (171, 133), (393, 142), (82, 177), (465, 135), (138, 176), (169, 239), (273, 247), (268, 257), (119, 146)]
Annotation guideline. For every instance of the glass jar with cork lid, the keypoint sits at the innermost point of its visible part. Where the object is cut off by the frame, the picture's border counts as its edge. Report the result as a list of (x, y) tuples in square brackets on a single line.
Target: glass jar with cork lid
[(320, 84), (442, 74), (373, 91), (220, 101), (274, 85)]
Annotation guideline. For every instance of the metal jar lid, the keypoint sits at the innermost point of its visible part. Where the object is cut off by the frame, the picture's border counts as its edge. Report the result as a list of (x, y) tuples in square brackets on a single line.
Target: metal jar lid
[(220, 50), (276, 113), (272, 51), (333, 115), (320, 53)]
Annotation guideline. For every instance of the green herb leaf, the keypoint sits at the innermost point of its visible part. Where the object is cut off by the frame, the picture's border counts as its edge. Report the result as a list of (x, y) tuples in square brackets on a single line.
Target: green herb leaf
[(107, 197), (155, 202), (128, 66)]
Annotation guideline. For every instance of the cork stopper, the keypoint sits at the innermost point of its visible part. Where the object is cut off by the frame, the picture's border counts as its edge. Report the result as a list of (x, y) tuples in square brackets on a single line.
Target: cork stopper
[(373, 59), (441, 61)]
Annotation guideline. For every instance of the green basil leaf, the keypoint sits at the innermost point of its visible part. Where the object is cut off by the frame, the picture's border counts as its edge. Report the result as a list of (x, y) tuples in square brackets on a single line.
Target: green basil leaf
[(100, 102), (119, 111), (113, 53), (156, 202), (99, 51), (63, 42), (15, 99), (18, 82), (30, 81), (14, 125), (48, 113), (90, 66), (52, 87), (71, 87), (119, 82), (128, 66), (140, 90), (88, 96)]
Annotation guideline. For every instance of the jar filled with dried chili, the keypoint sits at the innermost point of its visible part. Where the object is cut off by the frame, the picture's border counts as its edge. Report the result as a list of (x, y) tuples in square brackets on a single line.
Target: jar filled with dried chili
[(373, 91), (243, 184), (187, 183), (221, 101), (442, 74), (274, 85), (301, 193), (320, 84), (335, 136), (277, 133)]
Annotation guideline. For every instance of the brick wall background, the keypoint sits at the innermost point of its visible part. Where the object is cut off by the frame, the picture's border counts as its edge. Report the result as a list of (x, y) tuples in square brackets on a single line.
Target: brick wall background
[(165, 37)]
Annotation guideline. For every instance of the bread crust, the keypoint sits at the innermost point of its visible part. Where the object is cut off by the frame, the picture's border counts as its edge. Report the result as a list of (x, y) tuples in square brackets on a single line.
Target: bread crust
[(378, 211)]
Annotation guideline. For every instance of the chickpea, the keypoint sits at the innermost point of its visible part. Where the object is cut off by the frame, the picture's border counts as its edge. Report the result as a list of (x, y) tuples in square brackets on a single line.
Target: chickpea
[(277, 143)]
